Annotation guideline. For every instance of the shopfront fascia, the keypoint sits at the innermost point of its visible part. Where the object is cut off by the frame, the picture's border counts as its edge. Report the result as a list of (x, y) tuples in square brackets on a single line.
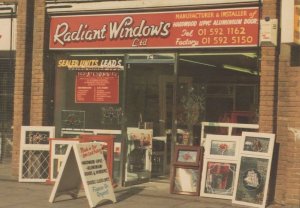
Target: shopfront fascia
[(149, 77)]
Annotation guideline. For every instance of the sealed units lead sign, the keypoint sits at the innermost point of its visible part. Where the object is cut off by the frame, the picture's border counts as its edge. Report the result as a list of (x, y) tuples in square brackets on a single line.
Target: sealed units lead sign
[(234, 27)]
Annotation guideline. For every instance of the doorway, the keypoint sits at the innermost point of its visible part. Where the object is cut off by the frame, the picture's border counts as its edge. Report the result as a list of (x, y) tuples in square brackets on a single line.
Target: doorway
[(149, 115)]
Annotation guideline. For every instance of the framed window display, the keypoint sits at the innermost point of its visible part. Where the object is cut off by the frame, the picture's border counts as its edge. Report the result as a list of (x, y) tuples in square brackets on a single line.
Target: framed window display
[(252, 179), (222, 147), (185, 180), (187, 155), (255, 143), (34, 153), (139, 155), (218, 178), (229, 128)]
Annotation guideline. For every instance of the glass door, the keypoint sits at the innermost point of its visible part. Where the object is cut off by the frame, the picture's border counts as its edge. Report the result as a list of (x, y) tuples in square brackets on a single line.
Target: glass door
[(149, 105)]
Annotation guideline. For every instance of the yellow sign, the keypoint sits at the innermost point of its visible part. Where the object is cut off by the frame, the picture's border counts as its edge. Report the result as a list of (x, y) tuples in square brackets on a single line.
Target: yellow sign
[(90, 64)]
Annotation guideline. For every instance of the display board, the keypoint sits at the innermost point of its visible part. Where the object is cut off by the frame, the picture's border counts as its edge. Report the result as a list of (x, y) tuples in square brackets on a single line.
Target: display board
[(84, 164), (139, 151), (220, 166), (233, 27), (186, 172), (97, 87), (254, 169)]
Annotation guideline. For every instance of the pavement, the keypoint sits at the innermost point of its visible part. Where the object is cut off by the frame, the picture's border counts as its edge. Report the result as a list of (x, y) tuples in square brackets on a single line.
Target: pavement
[(153, 194)]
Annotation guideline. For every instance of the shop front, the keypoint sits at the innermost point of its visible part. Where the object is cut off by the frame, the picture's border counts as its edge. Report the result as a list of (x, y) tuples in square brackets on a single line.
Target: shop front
[(7, 71), (150, 78)]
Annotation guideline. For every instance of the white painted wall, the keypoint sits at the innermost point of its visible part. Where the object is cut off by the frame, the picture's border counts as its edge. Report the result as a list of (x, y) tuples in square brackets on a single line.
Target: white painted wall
[(93, 6), (287, 21)]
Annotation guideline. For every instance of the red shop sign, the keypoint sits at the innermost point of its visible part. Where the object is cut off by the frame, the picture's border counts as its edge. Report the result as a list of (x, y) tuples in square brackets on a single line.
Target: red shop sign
[(97, 87), (236, 27)]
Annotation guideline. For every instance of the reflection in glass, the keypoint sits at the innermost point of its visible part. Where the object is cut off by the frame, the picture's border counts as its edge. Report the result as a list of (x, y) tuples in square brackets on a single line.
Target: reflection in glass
[(186, 180)]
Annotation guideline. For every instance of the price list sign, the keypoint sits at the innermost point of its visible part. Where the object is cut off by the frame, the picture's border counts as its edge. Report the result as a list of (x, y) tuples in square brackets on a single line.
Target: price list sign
[(230, 27), (97, 87)]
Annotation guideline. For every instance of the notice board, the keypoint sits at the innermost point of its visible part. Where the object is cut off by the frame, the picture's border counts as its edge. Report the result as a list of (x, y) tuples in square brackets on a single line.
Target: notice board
[(97, 87), (84, 164)]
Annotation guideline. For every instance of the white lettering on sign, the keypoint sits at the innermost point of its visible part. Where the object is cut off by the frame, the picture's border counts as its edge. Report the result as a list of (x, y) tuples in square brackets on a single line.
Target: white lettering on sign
[(63, 33), (123, 30), (91, 171)]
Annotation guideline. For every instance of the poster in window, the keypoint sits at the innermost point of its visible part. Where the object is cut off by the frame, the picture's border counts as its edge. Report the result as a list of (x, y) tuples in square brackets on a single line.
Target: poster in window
[(97, 87)]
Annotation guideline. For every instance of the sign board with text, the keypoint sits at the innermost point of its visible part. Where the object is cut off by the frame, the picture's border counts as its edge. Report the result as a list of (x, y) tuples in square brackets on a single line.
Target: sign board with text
[(97, 87), (84, 164), (230, 27)]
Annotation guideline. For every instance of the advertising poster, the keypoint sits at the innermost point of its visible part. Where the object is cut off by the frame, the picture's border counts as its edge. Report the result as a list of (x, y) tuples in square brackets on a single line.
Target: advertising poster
[(174, 29), (84, 163), (97, 87)]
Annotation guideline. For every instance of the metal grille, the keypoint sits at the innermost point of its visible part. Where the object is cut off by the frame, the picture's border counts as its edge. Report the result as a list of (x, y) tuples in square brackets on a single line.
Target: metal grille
[(7, 66), (35, 165)]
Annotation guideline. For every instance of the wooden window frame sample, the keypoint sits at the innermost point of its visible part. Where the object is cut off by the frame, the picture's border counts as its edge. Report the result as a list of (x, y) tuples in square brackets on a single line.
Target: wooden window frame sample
[(254, 169), (225, 174), (186, 176), (228, 147), (187, 183), (34, 153)]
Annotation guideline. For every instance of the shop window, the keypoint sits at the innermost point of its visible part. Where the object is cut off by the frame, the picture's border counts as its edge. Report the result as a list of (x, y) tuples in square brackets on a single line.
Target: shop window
[(88, 92), (295, 54)]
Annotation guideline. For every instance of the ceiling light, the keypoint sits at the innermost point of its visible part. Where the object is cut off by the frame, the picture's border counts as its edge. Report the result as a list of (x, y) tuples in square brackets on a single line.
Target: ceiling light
[(196, 62), (240, 69)]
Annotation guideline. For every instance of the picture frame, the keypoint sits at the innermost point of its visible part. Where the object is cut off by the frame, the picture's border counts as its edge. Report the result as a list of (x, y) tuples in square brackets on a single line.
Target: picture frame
[(222, 147), (218, 178), (255, 143), (187, 155), (252, 181), (185, 180)]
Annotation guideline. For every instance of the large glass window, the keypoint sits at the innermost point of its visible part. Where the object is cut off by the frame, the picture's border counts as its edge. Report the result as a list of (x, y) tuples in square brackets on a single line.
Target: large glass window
[(218, 87), (89, 92)]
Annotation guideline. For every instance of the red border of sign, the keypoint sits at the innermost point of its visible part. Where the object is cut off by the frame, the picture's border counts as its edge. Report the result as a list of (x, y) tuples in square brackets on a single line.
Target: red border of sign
[(230, 27), (114, 99)]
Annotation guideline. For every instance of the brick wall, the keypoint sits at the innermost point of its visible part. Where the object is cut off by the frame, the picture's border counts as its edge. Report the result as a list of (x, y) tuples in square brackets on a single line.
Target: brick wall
[(288, 173), (277, 115), (38, 75), (19, 83)]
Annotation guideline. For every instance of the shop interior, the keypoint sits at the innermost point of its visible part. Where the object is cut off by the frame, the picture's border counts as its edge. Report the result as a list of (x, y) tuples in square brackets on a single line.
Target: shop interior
[(161, 92)]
